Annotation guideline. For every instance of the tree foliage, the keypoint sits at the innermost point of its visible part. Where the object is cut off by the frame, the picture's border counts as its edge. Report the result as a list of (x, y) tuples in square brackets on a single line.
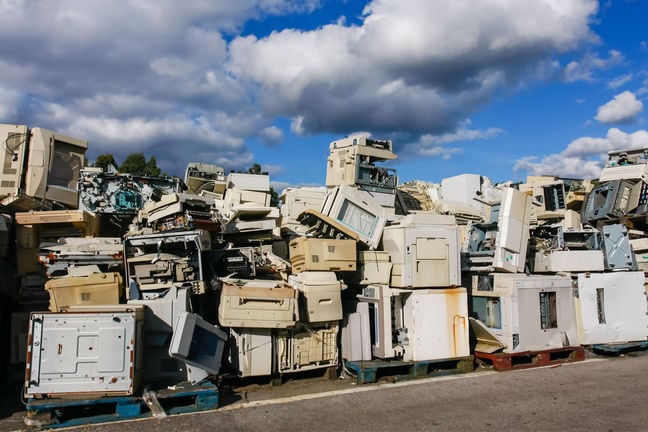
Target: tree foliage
[(135, 163), (104, 161)]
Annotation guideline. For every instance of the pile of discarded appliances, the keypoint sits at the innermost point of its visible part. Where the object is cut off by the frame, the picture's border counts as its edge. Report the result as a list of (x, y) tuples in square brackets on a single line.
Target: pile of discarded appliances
[(125, 281)]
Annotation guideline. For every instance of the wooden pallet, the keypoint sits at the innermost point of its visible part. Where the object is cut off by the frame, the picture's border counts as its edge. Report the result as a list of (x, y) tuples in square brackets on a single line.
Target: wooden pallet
[(55, 413), (528, 359), (373, 370), (619, 348)]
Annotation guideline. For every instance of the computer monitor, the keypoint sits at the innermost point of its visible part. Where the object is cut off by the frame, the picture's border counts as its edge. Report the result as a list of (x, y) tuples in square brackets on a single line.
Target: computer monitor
[(197, 342)]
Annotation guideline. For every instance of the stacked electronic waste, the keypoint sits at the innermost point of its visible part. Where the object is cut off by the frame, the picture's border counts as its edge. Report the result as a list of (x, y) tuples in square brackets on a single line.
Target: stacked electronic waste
[(144, 282)]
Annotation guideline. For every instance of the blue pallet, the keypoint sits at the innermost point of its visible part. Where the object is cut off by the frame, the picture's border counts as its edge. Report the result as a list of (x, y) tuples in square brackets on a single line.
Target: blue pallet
[(370, 371), (622, 348), (75, 412)]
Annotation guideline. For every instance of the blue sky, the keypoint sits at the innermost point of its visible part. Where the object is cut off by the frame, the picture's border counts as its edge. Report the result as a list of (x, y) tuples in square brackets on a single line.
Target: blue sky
[(501, 88)]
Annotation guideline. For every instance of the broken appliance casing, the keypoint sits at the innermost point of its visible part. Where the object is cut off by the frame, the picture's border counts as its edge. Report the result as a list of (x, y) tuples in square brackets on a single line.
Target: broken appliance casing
[(424, 251), (202, 177), (549, 198), (463, 188), (249, 182), (250, 351), (610, 200), (526, 312), (161, 315), (568, 261), (611, 307), (40, 168), (640, 250), (307, 347), (624, 172), (94, 289), (97, 353), (356, 334), (106, 253), (356, 210), (387, 332), (352, 162), (616, 247), (320, 297), (155, 262), (179, 211), (293, 202), (322, 254), (110, 192), (197, 342), (501, 243), (626, 165), (559, 250), (436, 323), (257, 304), (374, 267), (44, 228)]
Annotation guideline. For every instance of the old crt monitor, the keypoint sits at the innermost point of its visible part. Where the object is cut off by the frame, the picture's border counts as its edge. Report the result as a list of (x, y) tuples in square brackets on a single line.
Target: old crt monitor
[(40, 164), (197, 342)]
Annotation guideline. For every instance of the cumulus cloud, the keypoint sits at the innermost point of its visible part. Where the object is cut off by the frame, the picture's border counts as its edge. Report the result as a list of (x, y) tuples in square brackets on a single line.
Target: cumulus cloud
[(183, 82), (399, 70), (622, 109), (584, 157)]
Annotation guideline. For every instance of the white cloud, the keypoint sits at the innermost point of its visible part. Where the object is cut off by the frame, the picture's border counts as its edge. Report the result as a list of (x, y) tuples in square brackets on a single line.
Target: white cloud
[(399, 70), (558, 165), (583, 157), (183, 81), (463, 133), (644, 88), (622, 109), (620, 81), (584, 69), (271, 135)]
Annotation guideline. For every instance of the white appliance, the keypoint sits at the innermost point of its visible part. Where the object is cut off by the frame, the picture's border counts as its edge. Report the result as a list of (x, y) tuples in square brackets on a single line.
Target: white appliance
[(251, 351), (161, 315), (356, 334), (373, 267), (320, 297), (512, 231), (385, 312), (198, 343), (85, 352), (358, 211), (257, 304), (436, 323), (424, 251), (611, 307), (526, 313), (568, 261), (307, 347)]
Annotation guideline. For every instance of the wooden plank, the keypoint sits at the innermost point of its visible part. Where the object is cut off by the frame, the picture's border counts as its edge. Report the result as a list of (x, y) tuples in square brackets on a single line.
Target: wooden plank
[(528, 359)]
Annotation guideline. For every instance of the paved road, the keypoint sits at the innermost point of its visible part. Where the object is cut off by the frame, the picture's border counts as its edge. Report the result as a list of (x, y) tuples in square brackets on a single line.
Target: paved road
[(595, 395)]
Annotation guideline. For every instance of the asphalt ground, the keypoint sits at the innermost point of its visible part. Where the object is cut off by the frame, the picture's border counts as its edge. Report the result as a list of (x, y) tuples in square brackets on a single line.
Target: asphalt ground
[(598, 394)]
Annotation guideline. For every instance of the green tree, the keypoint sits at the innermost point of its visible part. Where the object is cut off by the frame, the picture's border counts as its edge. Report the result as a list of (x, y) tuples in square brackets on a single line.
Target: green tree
[(104, 161), (254, 169), (135, 163), (151, 167)]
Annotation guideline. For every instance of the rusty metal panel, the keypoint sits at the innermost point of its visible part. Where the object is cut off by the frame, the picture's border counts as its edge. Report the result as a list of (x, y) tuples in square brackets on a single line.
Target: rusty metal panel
[(437, 324)]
